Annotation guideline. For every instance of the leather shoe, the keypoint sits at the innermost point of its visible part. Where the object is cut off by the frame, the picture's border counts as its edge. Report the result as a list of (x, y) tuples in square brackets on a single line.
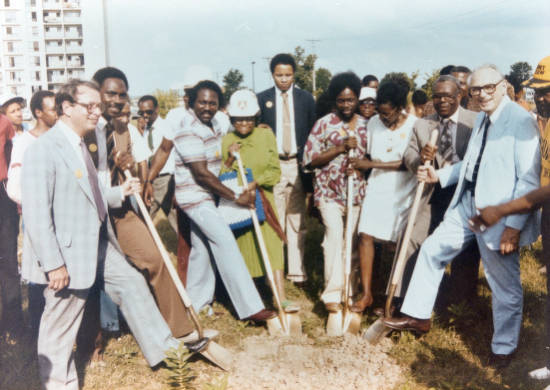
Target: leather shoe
[(408, 323), (194, 335), (262, 315), (500, 361), (197, 346)]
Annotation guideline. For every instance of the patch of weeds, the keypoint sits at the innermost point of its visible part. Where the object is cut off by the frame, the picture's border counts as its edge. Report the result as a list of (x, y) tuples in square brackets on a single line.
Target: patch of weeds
[(218, 384), (180, 374)]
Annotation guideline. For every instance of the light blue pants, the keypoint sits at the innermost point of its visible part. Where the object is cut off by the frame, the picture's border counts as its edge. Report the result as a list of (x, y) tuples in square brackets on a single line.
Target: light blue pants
[(212, 240), (108, 313), (502, 273)]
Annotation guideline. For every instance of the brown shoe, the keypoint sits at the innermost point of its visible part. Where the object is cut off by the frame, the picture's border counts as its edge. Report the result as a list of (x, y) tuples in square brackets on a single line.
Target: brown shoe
[(408, 323), (261, 316), (333, 307)]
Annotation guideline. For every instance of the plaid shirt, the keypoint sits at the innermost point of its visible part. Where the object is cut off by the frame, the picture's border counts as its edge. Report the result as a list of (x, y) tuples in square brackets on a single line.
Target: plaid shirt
[(194, 141)]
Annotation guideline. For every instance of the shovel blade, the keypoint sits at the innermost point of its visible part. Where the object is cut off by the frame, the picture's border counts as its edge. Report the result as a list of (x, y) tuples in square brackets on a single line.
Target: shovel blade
[(274, 327), (218, 355), (335, 324), (352, 322), (376, 332), (294, 324)]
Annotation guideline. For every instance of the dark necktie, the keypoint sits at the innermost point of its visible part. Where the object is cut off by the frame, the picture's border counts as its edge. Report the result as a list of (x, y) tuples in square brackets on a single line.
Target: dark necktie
[(150, 138), (483, 142), (94, 183), (445, 140)]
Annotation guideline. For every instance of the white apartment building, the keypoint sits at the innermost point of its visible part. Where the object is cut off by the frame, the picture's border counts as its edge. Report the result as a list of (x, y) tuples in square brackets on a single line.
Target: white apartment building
[(42, 44)]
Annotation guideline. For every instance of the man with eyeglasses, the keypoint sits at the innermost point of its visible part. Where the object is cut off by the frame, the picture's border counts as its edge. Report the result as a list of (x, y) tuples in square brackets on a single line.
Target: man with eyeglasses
[(454, 124), (502, 162), (70, 242), (114, 156)]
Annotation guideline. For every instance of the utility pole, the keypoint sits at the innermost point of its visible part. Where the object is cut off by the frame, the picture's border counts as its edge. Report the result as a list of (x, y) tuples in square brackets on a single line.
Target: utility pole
[(253, 80), (106, 34), (313, 41)]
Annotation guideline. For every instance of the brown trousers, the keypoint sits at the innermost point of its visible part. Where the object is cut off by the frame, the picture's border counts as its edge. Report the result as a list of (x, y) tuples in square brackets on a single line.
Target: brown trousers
[(138, 245)]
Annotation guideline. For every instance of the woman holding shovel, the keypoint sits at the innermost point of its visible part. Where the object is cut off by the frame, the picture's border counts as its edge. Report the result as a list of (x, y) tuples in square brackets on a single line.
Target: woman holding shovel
[(257, 147), (390, 187), (331, 141)]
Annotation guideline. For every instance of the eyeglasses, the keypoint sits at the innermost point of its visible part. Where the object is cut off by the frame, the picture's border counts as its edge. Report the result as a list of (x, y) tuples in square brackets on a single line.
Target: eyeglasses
[(90, 107), (489, 89), (446, 98), (148, 112)]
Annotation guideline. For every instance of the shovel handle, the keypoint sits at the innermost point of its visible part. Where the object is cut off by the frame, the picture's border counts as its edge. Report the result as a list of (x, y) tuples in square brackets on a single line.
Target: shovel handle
[(348, 234), (263, 248), (401, 258), (166, 258)]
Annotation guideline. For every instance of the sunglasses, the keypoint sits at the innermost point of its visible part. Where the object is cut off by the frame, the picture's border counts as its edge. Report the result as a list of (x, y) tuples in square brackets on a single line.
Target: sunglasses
[(148, 112)]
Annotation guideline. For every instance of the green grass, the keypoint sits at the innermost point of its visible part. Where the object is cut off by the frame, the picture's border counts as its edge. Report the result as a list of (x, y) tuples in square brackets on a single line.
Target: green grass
[(453, 355)]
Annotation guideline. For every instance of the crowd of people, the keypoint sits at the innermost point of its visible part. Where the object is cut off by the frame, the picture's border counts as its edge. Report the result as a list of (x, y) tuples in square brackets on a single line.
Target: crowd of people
[(89, 259)]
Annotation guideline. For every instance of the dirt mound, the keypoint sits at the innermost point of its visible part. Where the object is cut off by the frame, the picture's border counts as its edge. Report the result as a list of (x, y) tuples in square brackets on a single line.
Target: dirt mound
[(304, 364)]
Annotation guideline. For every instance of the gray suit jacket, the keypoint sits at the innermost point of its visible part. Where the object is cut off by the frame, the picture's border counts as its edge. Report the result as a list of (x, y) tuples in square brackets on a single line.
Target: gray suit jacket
[(61, 221)]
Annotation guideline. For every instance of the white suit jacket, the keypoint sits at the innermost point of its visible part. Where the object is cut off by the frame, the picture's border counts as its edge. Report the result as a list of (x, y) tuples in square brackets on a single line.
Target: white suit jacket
[(509, 168)]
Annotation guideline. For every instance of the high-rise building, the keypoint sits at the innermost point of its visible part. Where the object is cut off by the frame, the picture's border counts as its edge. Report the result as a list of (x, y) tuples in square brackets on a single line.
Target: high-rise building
[(42, 44)]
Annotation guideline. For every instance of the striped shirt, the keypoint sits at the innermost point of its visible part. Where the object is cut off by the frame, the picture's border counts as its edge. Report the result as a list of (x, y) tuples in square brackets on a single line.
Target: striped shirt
[(193, 142)]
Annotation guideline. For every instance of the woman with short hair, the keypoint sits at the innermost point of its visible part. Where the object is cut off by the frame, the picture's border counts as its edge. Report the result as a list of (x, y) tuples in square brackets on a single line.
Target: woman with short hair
[(390, 186)]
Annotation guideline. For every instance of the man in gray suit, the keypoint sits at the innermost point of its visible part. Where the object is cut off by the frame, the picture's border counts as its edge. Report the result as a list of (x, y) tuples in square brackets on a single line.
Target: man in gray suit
[(70, 242), (502, 162), (454, 124)]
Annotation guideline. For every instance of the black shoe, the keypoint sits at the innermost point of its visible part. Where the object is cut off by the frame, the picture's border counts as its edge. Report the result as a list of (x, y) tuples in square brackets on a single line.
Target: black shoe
[(499, 361), (197, 346)]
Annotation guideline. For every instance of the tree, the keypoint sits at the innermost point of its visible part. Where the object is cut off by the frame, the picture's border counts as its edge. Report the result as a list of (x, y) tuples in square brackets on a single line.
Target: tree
[(232, 82), (322, 80), (519, 72), (304, 71), (167, 100), (430, 80)]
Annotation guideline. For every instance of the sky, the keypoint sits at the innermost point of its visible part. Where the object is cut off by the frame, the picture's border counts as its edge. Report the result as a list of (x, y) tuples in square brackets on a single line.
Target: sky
[(155, 41)]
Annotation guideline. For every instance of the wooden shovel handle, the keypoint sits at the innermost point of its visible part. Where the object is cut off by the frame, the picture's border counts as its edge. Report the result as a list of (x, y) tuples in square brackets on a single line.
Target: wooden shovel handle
[(166, 258), (401, 258)]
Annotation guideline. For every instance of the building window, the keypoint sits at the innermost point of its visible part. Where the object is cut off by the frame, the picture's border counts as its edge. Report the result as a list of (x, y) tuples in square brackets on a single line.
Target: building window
[(6, 3), (9, 30), (12, 62), (33, 16), (10, 47), (35, 46), (37, 61), (37, 76), (33, 3)]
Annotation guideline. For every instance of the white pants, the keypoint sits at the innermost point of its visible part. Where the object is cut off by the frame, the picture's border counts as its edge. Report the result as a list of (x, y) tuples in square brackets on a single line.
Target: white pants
[(291, 205), (334, 219)]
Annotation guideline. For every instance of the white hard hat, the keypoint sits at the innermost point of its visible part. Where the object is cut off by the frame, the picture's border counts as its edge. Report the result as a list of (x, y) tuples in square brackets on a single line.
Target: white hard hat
[(196, 73), (243, 103), (367, 92), (10, 98)]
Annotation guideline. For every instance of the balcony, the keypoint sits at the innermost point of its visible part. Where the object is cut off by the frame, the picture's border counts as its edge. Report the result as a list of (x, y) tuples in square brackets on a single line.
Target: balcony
[(73, 48), (53, 35), (51, 5), (73, 4), (50, 49), (57, 79), (73, 33), (52, 19)]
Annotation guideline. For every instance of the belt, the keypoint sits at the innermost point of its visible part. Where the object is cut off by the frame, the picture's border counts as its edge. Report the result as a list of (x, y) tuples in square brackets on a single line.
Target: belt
[(286, 157), (469, 186), (164, 174)]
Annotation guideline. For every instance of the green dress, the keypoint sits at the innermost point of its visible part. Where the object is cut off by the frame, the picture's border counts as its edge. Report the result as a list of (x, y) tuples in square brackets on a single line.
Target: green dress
[(259, 153)]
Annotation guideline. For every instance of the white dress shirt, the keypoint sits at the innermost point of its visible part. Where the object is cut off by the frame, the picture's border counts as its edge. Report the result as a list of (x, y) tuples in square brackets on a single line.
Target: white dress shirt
[(279, 120), (160, 129)]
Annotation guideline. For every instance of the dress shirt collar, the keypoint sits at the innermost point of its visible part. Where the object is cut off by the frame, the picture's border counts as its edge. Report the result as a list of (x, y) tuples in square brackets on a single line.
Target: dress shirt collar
[(496, 114), (289, 91), (73, 138), (453, 118), (101, 123)]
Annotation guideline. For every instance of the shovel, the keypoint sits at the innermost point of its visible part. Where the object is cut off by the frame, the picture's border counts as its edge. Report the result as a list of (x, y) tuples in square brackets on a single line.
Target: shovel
[(213, 351), (378, 330), (285, 323), (345, 320)]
